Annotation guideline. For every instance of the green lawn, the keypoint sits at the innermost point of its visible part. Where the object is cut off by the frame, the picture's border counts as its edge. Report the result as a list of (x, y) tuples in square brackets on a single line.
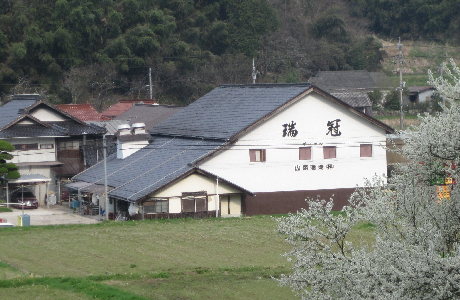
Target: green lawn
[(158, 259)]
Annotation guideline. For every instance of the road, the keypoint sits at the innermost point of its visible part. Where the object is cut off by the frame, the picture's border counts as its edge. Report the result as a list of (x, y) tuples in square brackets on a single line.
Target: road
[(54, 215)]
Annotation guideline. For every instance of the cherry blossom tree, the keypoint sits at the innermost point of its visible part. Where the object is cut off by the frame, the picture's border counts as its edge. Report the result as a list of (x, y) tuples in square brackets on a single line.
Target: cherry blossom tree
[(415, 216)]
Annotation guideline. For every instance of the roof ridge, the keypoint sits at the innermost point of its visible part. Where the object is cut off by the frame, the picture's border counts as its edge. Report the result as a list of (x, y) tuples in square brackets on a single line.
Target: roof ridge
[(265, 85)]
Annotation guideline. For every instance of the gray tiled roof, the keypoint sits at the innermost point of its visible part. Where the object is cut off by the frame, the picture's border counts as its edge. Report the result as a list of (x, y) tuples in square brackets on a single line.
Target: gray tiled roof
[(355, 99), (349, 80), (73, 128), (150, 115), (10, 111), (228, 109), (65, 128), (150, 168), (110, 125)]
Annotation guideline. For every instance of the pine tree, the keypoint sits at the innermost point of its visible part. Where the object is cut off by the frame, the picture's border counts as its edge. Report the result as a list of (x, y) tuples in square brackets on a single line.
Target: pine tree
[(7, 170)]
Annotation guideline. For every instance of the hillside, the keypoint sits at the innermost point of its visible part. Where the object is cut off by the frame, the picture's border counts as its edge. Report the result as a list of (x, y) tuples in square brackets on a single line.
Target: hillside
[(101, 50)]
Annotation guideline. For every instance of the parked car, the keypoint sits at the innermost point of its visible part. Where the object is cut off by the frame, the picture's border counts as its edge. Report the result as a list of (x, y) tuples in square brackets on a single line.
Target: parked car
[(26, 199)]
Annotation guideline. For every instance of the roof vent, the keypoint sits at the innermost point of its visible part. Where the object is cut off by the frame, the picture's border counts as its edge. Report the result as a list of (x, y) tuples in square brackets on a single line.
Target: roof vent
[(124, 129), (21, 111), (138, 128)]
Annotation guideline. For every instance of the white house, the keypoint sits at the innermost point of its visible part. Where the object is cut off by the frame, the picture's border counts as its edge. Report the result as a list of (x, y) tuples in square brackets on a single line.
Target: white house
[(420, 94), (247, 149)]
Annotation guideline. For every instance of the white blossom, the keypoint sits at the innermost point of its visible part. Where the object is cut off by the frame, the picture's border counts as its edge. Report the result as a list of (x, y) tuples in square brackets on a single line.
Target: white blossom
[(416, 250)]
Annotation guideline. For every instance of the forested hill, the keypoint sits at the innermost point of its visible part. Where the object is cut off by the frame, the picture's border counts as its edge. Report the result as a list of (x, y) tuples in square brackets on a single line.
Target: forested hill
[(101, 50)]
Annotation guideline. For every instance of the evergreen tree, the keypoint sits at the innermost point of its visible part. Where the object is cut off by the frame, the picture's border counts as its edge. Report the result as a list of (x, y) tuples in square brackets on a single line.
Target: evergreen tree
[(7, 170)]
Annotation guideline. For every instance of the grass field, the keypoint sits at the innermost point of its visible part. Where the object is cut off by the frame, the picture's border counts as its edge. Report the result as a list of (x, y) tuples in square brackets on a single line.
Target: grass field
[(163, 259)]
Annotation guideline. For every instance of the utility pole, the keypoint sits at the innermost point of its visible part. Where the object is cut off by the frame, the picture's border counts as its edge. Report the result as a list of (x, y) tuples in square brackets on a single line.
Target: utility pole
[(150, 83), (399, 45), (84, 150), (442, 85), (254, 72), (104, 146)]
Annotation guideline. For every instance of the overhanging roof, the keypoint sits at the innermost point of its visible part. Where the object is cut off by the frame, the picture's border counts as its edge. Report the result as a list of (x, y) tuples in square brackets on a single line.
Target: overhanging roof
[(30, 178), (88, 187)]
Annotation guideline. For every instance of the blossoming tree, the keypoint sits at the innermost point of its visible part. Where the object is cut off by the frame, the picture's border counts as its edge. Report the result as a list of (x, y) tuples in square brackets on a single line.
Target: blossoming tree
[(416, 219)]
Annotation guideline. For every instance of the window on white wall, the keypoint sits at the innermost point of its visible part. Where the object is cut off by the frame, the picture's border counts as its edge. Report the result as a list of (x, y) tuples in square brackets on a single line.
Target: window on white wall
[(365, 150), (158, 205), (194, 202), (46, 146), (257, 155), (329, 152), (304, 153), (25, 147)]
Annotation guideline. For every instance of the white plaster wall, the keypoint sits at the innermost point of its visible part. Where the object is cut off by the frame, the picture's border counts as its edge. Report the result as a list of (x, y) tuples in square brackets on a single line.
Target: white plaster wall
[(195, 183), (422, 97), (278, 173), (26, 122), (39, 155), (44, 114), (175, 205), (125, 149), (235, 205)]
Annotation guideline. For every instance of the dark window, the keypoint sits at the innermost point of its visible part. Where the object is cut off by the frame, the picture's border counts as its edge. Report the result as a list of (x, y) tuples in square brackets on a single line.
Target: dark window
[(194, 202), (257, 155), (365, 150), (68, 145), (304, 153), (156, 206), (329, 152), (25, 147)]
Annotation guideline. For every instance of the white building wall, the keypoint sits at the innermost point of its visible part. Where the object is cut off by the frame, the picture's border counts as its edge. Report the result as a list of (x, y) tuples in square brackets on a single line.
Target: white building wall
[(45, 114), (175, 205), (125, 149), (39, 155), (283, 171), (196, 183), (425, 95)]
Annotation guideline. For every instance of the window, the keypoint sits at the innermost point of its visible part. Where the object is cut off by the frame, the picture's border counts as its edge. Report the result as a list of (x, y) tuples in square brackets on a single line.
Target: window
[(304, 153), (365, 150), (257, 155), (69, 145), (25, 147), (329, 152), (46, 146), (156, 206), (194, 202)]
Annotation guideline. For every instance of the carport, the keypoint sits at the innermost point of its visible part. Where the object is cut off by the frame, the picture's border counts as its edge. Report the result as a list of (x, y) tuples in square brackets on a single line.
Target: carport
[(92, 190), (27, 180)]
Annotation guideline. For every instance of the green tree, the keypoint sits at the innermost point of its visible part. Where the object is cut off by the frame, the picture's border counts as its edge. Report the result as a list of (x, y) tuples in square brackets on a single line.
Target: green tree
[(7, 170)]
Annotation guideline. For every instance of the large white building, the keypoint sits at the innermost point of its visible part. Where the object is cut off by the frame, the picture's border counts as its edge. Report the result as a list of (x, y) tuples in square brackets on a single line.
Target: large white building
[(246, 149)]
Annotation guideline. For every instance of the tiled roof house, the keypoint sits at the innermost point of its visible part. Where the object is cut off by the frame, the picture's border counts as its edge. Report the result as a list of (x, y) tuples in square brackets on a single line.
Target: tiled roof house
[(245, 149), (149, 114), (125, 104), (48, 141), (84, 112), (352, 87)]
